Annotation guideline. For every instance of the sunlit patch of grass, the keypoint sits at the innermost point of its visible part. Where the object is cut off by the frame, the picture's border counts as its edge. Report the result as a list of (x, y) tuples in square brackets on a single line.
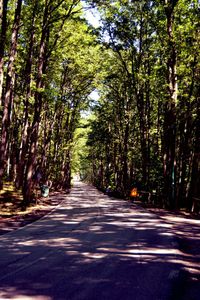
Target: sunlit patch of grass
[(10, 199), (11, 203)]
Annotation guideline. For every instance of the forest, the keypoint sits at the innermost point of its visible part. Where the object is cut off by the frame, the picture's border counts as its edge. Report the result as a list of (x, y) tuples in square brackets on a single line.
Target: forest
[(143, 129)]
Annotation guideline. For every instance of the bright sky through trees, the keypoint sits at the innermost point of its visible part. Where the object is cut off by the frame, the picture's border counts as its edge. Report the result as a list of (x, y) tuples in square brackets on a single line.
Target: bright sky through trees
[(93, 17), (94, 95)]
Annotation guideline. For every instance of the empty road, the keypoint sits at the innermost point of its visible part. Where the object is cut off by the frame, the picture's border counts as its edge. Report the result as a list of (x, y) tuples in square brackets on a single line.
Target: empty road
[(92, 247)]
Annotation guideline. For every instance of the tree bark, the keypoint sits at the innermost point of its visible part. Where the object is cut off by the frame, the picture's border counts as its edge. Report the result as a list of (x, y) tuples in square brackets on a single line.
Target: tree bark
[(143, 137), (195, 176), (28, 182), (194, 190), (3, 6), (44, 54), (8, 93), (169, 159), (25, 135), (125, 179)]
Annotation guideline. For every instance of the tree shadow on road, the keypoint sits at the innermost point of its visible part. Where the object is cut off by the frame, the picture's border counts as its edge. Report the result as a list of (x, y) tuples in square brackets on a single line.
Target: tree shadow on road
[(96, 248)]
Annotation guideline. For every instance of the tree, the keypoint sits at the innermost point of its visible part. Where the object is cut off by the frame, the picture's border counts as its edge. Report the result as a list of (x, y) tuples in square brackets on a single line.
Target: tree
[(50, 11), (3, 17), (53, 83), (8, 96), (154, 49)]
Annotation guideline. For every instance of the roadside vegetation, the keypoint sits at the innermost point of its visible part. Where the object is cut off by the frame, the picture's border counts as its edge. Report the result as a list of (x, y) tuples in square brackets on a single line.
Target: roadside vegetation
[(143, 131)]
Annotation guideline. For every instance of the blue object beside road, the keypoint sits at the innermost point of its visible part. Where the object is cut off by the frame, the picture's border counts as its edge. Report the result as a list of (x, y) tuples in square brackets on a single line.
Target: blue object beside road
[(45, 190)]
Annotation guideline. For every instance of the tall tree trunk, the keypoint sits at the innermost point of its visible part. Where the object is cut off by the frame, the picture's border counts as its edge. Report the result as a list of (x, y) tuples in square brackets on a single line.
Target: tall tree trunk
[(125, 180), (44, 55), (28, 182), (8, 92), (3, 12), (184, 155), (194, 190), (13, 154), (67, 171), (25, 137), (148, 122), (143, 137), (48, 130), (195, 176), (32, 156), (11, 131), (115, 162), (170, 113)]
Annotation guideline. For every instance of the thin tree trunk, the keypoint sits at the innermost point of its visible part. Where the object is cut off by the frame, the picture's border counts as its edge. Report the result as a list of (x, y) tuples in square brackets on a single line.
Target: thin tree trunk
[(28, 180), (67, 171), (47, 139), (13, 153), (28, 183), (125, 179), (195, 176), (25, 136), (184, 155), (148, 122), (143, 137), (44, 55), (170, 114), (3, 5), (8, 92), (194, 190), (11, 133)]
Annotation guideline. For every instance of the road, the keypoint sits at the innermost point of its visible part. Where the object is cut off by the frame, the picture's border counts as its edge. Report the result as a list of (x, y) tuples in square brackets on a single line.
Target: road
[(92, 247)]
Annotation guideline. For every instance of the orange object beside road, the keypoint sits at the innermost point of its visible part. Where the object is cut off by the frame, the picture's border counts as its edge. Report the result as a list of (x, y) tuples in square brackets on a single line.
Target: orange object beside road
[(134, 192)]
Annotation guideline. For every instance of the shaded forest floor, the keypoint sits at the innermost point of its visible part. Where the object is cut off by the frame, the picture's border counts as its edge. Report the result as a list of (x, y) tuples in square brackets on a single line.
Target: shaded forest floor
[(11, 214), (158, 209)]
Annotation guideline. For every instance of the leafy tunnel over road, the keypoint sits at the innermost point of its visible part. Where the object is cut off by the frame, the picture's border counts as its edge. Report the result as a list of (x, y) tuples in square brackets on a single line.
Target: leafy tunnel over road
[(95, 247)]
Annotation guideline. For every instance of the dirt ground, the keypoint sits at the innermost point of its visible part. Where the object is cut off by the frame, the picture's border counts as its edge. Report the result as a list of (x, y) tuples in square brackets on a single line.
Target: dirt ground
[(13, 217)]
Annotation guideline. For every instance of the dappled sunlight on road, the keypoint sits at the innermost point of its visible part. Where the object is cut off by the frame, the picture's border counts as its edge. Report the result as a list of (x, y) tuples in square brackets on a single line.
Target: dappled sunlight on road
[(14, 295), (92, 245), (184, 226)]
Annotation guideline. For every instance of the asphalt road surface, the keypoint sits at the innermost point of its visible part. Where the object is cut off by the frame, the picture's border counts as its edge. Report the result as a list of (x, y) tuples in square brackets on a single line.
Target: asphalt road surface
[(92, 247)]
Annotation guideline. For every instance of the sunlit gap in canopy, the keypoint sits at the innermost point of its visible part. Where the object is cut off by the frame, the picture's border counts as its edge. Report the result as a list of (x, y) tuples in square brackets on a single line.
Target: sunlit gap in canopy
[(91, 14), (93, 98)]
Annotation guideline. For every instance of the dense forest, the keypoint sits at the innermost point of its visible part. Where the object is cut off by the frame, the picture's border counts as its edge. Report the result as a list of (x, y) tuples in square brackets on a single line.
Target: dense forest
[(143, 60)]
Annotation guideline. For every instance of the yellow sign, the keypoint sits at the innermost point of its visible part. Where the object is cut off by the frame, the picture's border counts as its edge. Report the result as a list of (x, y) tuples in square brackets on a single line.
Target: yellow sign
[(134, 192)]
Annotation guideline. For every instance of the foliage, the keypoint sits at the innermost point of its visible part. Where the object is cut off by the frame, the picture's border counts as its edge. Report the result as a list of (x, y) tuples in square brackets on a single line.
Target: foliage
[(143, 131), (55, 66), (147, 126)]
